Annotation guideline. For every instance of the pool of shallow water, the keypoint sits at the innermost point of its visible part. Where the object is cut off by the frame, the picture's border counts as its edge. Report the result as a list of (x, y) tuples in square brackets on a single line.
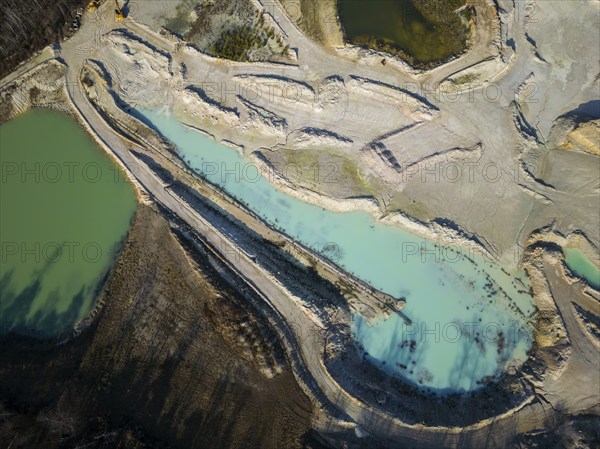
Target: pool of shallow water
[(469, 316), (400, 23), (64, 208), (583, 267)]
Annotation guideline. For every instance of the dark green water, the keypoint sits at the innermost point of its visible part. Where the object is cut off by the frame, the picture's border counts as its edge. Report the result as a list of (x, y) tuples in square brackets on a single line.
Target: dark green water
[(397, 23), (64, 209)]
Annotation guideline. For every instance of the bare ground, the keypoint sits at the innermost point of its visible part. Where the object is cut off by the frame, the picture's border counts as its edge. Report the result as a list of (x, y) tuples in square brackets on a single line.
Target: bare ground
[(317, 19)]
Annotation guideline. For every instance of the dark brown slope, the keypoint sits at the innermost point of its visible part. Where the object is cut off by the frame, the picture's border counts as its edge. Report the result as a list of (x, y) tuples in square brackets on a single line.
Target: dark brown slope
[(162, 365)]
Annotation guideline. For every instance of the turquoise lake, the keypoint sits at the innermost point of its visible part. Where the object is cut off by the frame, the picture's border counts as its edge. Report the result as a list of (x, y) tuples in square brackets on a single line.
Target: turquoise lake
[(582, 266), (470, 316)]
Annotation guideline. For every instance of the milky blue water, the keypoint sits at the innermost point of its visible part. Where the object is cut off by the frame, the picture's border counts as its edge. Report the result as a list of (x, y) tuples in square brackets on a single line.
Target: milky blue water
[(469, 316), (582, 266)]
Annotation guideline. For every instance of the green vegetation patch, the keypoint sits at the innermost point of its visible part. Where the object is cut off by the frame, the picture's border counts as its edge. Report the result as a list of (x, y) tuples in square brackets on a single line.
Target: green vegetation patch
[(235, 44), (229, 29), (467, 78)]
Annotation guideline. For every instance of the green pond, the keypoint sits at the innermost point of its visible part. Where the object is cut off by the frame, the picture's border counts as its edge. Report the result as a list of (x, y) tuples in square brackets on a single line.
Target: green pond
[(392, 25), (65, 209), (583, 267)]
